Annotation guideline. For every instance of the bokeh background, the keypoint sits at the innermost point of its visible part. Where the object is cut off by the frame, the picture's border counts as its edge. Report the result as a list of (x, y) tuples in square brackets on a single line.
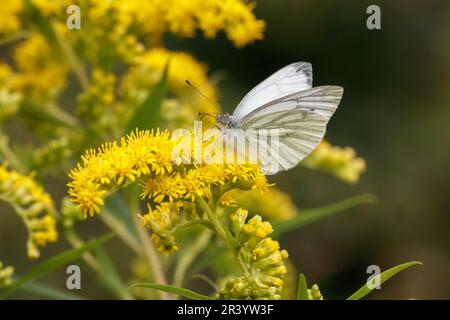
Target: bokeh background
[(395, 113)]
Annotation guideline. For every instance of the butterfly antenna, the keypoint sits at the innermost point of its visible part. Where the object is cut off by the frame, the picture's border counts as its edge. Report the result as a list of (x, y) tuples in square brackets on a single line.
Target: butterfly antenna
[(202, 114), (200, 93)]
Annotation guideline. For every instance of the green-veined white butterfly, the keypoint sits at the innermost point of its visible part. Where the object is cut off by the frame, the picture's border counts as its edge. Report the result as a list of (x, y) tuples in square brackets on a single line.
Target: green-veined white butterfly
[(287, 104)]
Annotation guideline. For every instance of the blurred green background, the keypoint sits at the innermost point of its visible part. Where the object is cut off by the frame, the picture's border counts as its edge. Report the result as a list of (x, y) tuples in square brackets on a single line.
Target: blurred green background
[(395, 113)]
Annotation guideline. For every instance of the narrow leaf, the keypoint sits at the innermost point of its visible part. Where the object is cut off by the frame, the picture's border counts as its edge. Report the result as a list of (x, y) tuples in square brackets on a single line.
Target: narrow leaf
[(110, 274), (384, 276), (302, 292), (176, 290), (50, 292), (148, 114), (308, 216), (54, 263), (206, 280)]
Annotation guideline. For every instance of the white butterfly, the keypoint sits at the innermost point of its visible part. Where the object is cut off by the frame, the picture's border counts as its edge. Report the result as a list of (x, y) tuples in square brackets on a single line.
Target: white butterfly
[(287, 104)]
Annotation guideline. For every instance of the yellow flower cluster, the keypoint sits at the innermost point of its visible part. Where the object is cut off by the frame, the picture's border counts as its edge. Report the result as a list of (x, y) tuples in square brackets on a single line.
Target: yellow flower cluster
[(261, 257), (33, 205), (172, 187), (163, 222), (53, 152), (314, 293), (182, 18), (147, 71), (6, 274), (40, 71), (97, 104), (115, 164), (51, 7), (9, 16), (10, 97), (151, 158), (341, 162)]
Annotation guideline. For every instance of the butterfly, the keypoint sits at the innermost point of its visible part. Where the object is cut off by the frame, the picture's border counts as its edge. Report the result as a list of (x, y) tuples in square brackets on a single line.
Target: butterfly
[(287, 105)]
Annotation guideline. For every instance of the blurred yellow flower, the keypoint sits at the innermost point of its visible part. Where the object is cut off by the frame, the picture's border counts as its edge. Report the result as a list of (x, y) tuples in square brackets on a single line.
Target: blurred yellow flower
[(33, 205), (275, 205), (51, 7), (6, 274), (147, 71), (314, 293), (40, 71), (10, 97), (9, 16), (341, 162)]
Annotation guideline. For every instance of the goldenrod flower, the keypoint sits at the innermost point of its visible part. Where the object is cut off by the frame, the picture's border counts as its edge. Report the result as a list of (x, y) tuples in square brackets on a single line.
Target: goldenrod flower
[(9, 16), (6, 274), (147, 71), (10, 97), (53, 152), (342, 162), (33, 205), (181, 17), (261, 258), (314, 293), (227, 200), (163, 221), (40, 71), (98, 103), (51, 7), (147, 156)]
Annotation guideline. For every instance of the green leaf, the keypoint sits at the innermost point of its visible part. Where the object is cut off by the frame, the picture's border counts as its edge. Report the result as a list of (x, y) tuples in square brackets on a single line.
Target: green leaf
[(41, 23), (384, 276), (110, 274), (119, 209), (302, 292), (176, 290), (205, 279), (308, 216), (50, 292), (148, 114), (53, 263)]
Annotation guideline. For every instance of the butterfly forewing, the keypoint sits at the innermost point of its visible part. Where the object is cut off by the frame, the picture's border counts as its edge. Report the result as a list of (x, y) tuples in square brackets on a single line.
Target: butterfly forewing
[(288, 80)]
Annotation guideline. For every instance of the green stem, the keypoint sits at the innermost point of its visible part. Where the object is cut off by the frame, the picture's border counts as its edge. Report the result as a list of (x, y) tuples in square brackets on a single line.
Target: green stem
[(189, 256), (19, 35), (64, 117), (115, 225), (73, 238), (223, 232), (152, 259), (218, 226), (149, 250), (10, 155), (195, 222), (75, 63)]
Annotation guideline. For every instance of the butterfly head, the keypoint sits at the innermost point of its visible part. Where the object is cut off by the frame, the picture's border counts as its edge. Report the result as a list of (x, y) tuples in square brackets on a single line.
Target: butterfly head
[(223, 120)]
